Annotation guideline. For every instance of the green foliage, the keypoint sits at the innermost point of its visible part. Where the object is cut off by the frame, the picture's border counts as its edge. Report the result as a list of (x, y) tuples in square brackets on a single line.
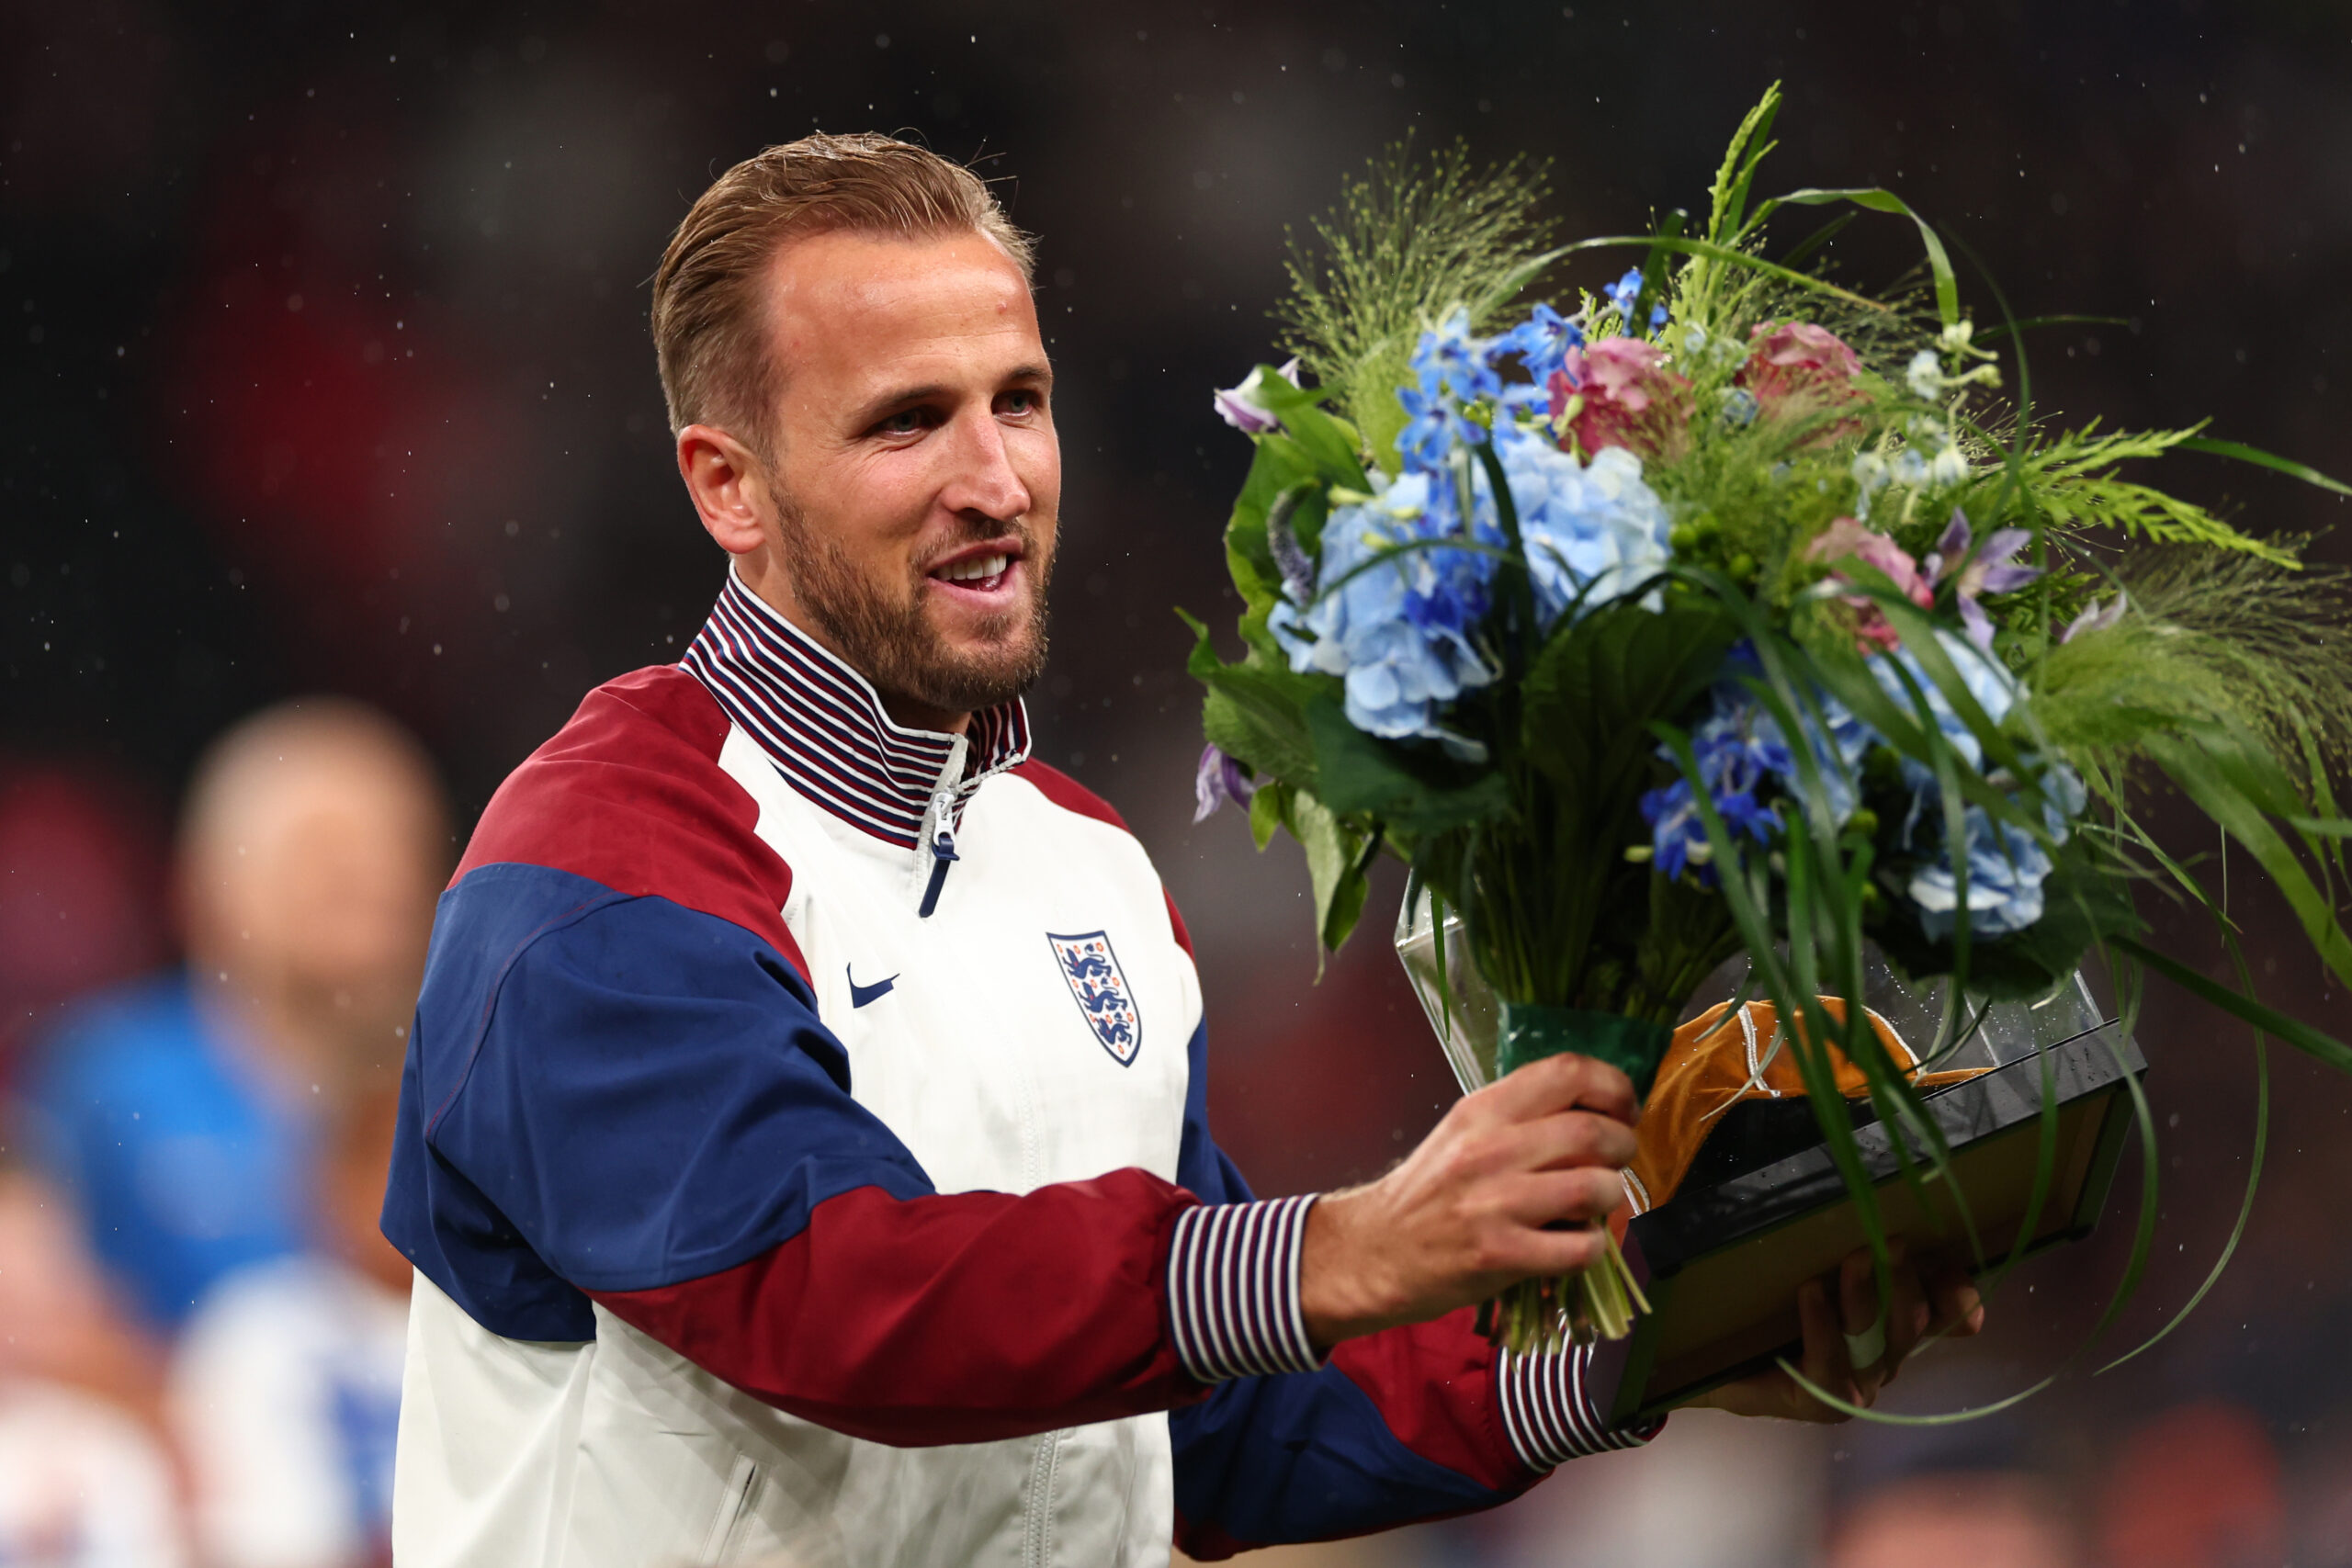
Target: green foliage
[(2069, 481), (1593, 692), (1337, 852), (2277, 638), (1408, 240)]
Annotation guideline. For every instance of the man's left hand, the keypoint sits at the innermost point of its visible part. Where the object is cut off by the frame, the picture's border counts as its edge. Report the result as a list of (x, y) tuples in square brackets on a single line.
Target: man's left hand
[(1935, 1300)]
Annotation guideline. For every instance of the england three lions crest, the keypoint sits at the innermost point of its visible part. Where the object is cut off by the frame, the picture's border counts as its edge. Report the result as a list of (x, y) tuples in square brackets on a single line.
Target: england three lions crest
[(1100, 991)]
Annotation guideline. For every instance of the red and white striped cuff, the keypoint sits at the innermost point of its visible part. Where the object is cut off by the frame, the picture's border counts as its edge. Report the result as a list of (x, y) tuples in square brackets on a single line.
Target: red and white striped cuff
[(1233, 1290), (1549, 1413)]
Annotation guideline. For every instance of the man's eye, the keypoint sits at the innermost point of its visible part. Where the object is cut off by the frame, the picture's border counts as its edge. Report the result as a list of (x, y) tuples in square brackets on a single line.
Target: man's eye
[(1021, 402), (907, 422)]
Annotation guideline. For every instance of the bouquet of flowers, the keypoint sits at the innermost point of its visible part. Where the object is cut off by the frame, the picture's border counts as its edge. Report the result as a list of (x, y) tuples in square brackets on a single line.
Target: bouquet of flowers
[(1729, 610)]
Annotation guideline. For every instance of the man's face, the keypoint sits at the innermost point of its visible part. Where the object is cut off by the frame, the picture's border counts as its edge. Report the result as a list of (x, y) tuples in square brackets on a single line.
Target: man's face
[(916, 477)]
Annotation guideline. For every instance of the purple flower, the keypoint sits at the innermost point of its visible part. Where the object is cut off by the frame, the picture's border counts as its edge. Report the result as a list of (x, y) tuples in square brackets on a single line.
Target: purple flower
[(2096, 619), (1242, 407), (1993, 570), (1218, 780)]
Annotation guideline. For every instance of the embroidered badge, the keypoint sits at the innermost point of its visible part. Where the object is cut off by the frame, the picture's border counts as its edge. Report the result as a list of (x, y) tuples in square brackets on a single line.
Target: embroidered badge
[(1101, 992)]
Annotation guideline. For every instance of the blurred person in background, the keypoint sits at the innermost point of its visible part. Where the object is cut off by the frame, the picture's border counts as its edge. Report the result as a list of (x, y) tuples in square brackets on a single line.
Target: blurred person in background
[(285, 1387), (1984, 1518), (180, 1110), (85, 1482), (2196, 1486)]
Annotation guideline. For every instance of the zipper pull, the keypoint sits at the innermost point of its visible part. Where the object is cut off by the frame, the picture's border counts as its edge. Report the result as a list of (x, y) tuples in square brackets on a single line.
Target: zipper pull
[(943, 850)]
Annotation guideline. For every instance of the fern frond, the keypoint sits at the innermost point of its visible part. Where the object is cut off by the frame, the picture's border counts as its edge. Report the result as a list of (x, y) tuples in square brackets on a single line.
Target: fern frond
[(2070, 480)]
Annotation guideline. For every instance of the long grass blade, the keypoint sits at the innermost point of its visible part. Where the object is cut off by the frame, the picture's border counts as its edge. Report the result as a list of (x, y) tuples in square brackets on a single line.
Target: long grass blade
[(2261, 459)]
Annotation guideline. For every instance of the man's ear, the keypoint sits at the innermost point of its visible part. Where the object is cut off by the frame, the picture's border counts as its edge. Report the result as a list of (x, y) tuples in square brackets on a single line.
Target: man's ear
[(729, 485)]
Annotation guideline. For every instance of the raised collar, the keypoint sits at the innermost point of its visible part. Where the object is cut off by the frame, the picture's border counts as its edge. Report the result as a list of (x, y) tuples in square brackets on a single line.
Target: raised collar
[(822, 723)]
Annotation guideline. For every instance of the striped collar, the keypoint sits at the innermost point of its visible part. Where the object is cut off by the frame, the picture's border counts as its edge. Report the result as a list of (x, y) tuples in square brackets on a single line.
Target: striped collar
[(822, 724)]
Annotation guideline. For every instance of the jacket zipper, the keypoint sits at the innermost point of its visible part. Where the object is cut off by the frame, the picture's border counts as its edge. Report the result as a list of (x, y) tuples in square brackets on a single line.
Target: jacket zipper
[(938, 834)]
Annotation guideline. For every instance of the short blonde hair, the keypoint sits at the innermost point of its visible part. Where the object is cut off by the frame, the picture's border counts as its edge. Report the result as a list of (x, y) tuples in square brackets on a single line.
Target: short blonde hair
[(707, 302)]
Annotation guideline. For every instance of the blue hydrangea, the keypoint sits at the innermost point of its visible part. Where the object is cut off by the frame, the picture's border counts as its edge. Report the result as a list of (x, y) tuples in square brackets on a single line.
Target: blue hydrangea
[(1837, 741), (2006, 867), (1404, 634), (1593, 529), (1984, 678), (1400, 633), (1737, 748), (2007, 864)]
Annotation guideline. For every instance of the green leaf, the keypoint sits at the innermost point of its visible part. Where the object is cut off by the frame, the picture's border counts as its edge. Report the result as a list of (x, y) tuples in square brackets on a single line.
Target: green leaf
[(1876, 200), (1280, 464), (1728, 198), (1268, 810), (1592, 691), (2252, 1180), (1419, 793), (1335, 866), (1255, 710), (1328, 443), (2278, 1026), (2067, 480), (2230, 778), (1688, 246), (2254, 455), (1993, 334)]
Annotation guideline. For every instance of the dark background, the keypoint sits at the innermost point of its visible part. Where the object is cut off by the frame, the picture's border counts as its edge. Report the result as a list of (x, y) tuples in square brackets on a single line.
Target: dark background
[(326, 368)]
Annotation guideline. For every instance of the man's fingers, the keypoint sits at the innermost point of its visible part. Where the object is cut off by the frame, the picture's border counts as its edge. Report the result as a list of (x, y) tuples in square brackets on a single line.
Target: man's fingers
[(1570, 1139), (1865, 1339), (1907, 1320), (1531, 1252), (1543, 1197), (1558, 1083), (1824, 1363), (1958, 1307)]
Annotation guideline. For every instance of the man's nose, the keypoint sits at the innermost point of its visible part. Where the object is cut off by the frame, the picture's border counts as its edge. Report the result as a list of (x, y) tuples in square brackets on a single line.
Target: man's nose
[(983, 478)]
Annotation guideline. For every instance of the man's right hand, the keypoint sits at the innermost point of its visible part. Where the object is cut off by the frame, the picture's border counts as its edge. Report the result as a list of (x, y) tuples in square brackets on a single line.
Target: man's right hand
[(1464, 1214)]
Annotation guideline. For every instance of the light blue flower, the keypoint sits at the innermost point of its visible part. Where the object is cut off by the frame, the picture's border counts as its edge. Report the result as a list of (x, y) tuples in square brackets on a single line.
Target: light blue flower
[(1594, 530), (1542, 343), (1625, 294), (2007, 864), (1984, 677), (1837, 741), (1399, 632), (2006, 867), (1452, 362)]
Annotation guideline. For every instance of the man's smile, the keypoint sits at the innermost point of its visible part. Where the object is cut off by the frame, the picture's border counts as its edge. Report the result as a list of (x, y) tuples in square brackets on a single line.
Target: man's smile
[(985, 576)]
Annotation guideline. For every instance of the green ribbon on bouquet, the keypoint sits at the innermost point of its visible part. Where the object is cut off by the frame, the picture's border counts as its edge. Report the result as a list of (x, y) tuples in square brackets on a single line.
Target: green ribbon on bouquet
[(1533, 1031)]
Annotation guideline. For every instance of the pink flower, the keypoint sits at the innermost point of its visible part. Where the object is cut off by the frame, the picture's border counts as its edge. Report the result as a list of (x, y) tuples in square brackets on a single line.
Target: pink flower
[(1619, 392), (1848, 540), (1797, 370)]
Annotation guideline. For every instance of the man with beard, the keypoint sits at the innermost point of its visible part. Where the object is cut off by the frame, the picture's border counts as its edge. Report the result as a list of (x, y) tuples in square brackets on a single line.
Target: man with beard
[(803, 1147)]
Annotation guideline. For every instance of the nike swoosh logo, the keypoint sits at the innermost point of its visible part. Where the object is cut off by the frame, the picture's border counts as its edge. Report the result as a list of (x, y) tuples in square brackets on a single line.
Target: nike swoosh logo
[(861, 995)]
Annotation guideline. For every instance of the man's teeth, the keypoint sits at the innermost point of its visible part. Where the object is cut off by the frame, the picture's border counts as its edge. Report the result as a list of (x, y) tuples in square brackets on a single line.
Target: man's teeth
[(975, 568)]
